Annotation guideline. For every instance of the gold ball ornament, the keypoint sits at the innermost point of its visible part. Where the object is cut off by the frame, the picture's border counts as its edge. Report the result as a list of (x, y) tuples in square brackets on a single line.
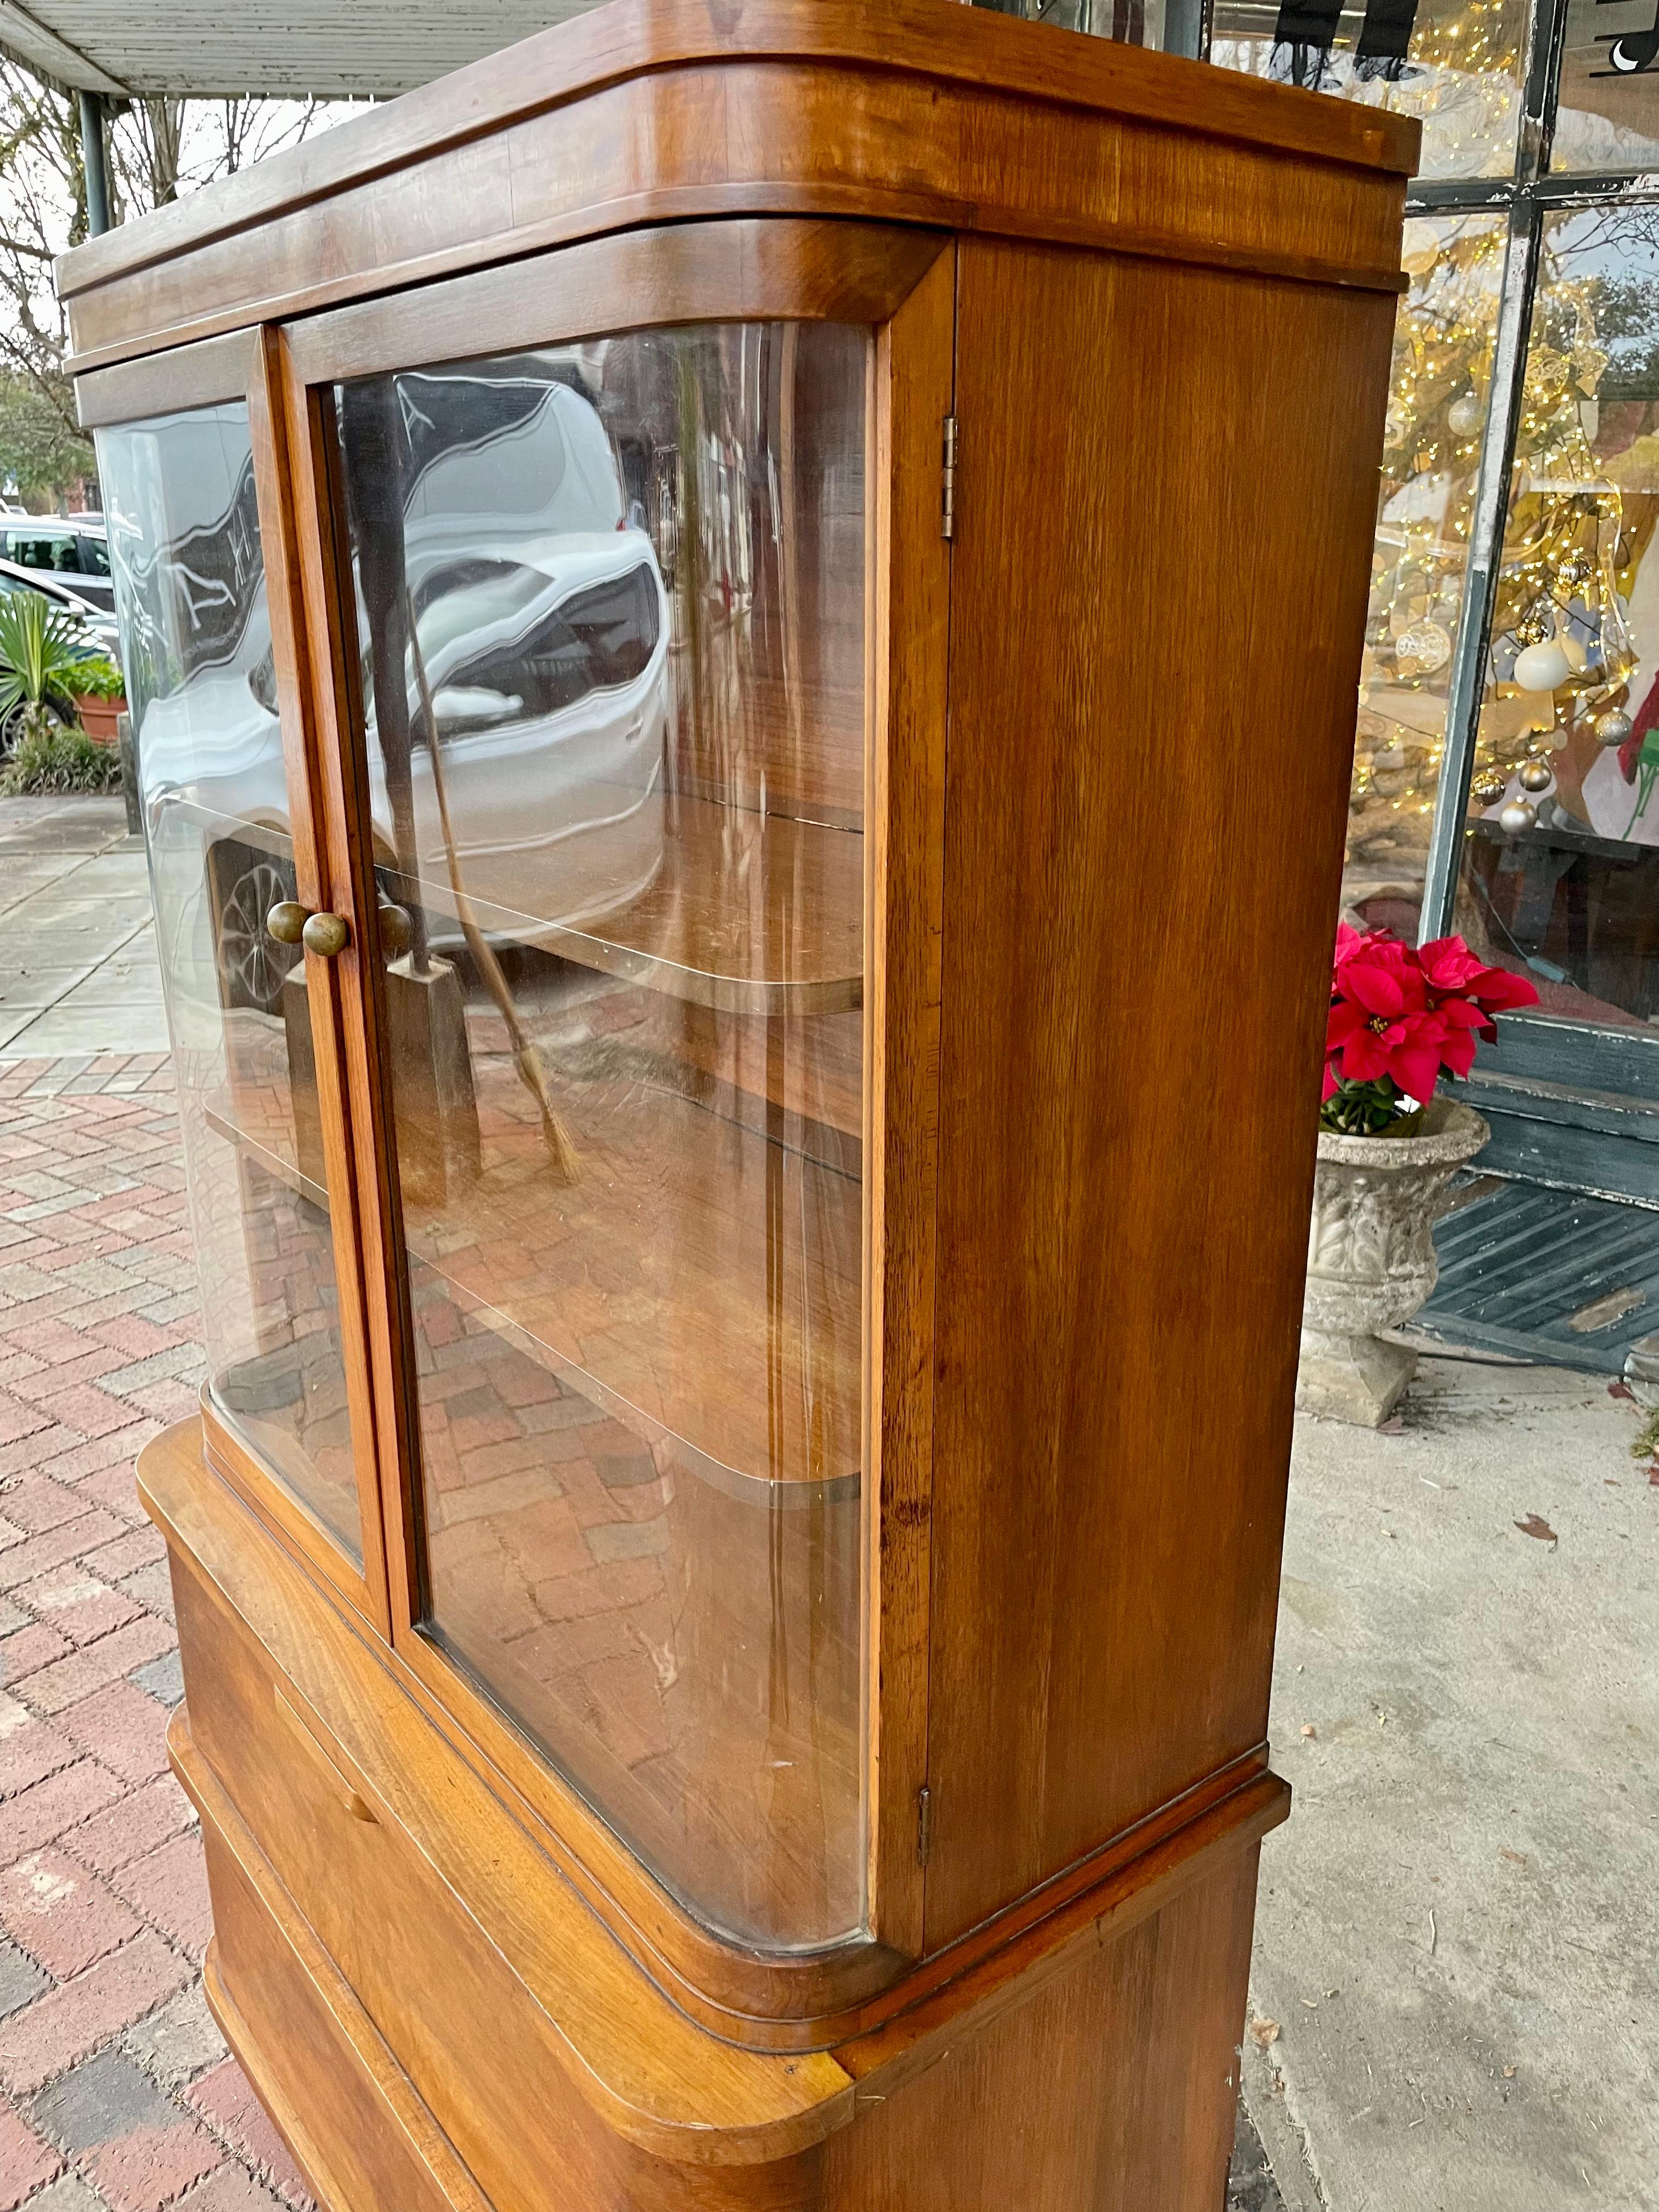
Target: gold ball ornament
[(1536, 776), (1541, 667), (1519, 816), (1612, 728), (1489, 787), (1532, 629), (1464, 416)]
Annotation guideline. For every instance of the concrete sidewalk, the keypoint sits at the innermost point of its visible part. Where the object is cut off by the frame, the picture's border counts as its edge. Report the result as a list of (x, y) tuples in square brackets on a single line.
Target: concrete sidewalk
[(1457, 1972), (78, 946)]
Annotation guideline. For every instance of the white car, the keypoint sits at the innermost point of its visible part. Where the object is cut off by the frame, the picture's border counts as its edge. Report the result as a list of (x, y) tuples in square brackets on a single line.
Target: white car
[(543, 626), (72, 548), (99, 622)]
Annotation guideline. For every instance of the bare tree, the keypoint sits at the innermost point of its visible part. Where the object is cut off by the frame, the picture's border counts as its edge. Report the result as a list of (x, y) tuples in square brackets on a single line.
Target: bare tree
[(160, 148)]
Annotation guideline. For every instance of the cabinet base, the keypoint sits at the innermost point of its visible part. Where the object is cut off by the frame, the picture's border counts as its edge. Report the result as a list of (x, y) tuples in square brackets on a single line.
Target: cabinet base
[(1105, 2083)]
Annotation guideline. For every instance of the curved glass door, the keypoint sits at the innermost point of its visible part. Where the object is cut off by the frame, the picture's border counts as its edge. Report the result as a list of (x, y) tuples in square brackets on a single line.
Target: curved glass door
[(611, 604), (190, 579)]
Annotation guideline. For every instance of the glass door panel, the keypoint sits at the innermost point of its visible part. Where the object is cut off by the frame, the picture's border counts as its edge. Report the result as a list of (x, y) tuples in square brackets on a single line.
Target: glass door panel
[(610, 601), (1558, 881), (184, 539)]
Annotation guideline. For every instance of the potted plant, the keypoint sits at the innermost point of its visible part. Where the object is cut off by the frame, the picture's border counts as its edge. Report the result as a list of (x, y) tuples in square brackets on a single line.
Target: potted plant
[(1399, 1018), (100, 691), (41, 649)]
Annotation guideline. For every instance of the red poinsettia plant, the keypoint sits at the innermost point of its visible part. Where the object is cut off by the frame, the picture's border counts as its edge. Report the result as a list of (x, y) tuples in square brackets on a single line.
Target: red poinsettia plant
[(1399, 1016)]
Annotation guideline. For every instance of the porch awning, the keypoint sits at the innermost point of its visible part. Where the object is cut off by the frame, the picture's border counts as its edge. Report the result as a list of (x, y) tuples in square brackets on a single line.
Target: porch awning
[(223, 49)]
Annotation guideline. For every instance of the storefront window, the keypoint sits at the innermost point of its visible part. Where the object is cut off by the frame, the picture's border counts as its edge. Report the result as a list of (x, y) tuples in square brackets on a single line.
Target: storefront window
[(1457, 64), (1163, 23), (1561, 855), (1438, 403), (1608, 113)]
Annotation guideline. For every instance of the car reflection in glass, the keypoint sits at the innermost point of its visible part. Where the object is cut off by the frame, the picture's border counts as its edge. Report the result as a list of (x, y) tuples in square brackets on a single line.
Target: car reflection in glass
[(542, 621)]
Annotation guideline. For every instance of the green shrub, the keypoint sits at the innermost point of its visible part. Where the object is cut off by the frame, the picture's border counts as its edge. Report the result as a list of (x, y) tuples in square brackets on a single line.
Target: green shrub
[(39, 645), (97, 677), (56, 758)]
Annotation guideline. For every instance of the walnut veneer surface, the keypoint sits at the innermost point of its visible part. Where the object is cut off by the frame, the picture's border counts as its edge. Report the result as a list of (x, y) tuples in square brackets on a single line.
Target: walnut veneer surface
[(1157, 301)]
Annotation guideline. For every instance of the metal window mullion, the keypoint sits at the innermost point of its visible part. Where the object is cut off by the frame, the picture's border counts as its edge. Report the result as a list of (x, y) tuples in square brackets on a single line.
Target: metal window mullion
[(1467, 688), (1542, 91)]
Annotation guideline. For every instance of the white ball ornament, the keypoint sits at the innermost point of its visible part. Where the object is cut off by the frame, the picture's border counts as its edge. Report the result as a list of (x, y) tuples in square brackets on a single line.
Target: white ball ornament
[(1612, 728), (1464, 416), (1541, 667), (1520, 814)]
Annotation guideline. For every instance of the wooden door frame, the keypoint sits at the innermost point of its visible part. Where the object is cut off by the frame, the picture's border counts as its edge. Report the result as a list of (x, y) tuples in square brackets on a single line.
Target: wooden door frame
[(242, 366), (900, 283)]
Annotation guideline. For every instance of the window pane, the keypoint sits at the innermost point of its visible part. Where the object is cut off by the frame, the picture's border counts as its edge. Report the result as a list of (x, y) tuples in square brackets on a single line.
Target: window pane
[(195, 638), (1437, 414), (1457, 64), (1570, 727), (1607, 116), (611, 611)]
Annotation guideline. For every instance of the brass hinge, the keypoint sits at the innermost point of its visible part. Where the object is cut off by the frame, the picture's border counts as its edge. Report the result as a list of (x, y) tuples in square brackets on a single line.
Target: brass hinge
[(925, 1798), (948, 512)]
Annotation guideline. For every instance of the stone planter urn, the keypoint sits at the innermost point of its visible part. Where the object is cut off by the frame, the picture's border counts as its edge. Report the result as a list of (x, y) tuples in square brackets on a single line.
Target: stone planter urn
[(1371, 1260)]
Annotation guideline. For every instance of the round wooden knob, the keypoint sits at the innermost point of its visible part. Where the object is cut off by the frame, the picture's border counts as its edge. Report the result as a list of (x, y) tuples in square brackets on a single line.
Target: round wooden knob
[(286, 921), (324, 934), (397, 930)]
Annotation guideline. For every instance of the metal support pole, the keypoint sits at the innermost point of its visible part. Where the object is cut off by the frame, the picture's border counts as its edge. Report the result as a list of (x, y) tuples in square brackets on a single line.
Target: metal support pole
[(1467, 686), (94, 154)]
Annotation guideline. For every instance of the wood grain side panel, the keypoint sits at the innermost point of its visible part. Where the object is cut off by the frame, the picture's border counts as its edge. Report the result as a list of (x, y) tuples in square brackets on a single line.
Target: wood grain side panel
[(1164, 506), (910, 610), (764, 138), (1110, 2089)]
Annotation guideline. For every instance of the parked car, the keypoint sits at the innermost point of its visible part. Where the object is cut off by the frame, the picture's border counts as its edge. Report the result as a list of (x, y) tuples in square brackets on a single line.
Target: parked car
[(74, 548), (102, 633), (543, 624)]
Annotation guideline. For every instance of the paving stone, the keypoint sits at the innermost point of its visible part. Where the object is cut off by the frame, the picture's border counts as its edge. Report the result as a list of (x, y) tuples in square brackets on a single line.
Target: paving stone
[(69, 2193), (232, 2188), (21, 1980), (26, 2159), (168, 1885), (29, 1650), (109, 2096), (36, 1816), (178, 2040), (67, 2023), (144, 2170), (151, 1587), (62, 1913), (123, 1728), (162, 1679), (137, 1824), (226, 2099), (30, 1749)]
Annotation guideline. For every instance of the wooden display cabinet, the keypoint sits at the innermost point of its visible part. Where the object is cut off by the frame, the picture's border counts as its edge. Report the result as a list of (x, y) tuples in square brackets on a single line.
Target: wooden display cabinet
[(779, 587)]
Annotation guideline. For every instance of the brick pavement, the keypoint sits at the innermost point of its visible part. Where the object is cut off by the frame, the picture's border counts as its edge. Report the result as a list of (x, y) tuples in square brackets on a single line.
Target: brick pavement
[(120, 2094)]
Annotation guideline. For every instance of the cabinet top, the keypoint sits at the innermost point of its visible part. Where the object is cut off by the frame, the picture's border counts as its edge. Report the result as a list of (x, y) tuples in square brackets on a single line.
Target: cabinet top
[(943, 106)]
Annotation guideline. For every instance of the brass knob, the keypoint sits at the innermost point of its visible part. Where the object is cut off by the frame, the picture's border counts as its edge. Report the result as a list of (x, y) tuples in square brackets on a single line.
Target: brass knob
[(397, 930), (286, 921), (324, 934)]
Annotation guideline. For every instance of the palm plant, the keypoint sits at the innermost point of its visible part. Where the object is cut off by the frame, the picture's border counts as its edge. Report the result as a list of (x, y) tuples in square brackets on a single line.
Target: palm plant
[(42, 646)]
